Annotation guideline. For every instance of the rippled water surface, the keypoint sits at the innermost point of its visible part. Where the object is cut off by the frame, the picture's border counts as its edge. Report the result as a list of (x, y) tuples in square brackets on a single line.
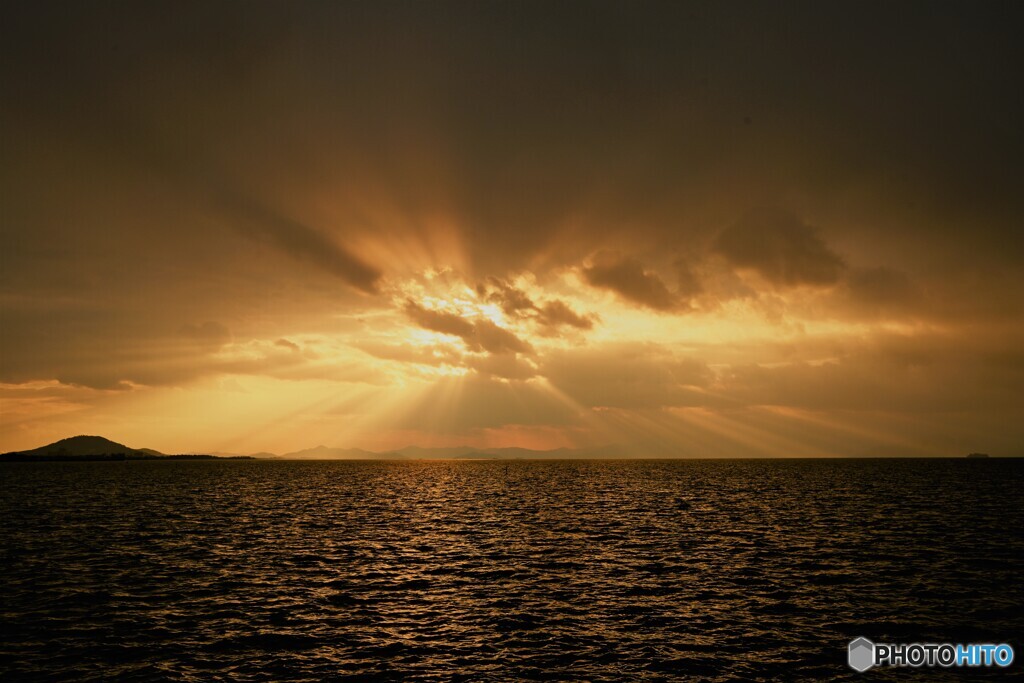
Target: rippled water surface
[(477, 571)]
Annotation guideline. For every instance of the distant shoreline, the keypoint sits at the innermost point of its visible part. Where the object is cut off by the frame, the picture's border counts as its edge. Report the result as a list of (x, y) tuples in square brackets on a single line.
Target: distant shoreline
[(120, 457), (112, 457)]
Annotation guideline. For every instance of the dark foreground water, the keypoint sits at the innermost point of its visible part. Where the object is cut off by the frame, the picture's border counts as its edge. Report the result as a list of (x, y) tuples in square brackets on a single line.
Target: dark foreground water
[(482, 571)]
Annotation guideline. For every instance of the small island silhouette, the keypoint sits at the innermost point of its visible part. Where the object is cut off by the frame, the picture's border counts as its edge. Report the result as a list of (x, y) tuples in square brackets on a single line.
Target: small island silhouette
[(97, 448)]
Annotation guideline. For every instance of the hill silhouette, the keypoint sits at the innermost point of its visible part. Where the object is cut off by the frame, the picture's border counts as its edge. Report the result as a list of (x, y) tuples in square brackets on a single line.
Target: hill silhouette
[(326, 453), (88, 445), (450, 453), (92, 448), (101, 448)]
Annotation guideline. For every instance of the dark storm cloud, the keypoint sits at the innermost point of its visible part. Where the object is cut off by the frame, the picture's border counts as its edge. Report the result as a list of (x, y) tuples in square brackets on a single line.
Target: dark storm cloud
[(883, 292), (196, 181), (493, 339), (532, 139), (163, 96), (557, 313), (628, 278), (439, 321), (301, 242), (512, 300), (479, 335), (781, 247), (688, 285), (550, 316)]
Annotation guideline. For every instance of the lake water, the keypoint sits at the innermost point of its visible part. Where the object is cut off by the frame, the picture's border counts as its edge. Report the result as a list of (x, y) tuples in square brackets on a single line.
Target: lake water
[(494, 571)]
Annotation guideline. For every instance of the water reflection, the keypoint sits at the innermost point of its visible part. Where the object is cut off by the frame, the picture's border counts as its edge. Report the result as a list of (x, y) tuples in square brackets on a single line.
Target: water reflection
[(492, 571)]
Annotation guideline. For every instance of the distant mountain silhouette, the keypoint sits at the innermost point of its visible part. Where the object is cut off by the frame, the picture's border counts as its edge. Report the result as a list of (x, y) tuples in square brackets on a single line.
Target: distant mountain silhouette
[(92, 448), (262, 455), (88, 445), (451, 453), (101, 448), (421, 453), (326, 453)]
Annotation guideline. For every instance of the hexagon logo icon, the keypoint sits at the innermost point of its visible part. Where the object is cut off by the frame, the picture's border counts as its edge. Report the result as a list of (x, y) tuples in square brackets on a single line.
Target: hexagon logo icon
[(861, 654)]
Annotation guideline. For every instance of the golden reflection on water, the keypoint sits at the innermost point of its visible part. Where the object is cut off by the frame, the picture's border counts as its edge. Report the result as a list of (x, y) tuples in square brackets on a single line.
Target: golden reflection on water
[(437, 570)]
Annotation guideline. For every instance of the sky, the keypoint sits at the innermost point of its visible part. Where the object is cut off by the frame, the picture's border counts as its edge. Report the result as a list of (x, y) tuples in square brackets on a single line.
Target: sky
[(712, 229)]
